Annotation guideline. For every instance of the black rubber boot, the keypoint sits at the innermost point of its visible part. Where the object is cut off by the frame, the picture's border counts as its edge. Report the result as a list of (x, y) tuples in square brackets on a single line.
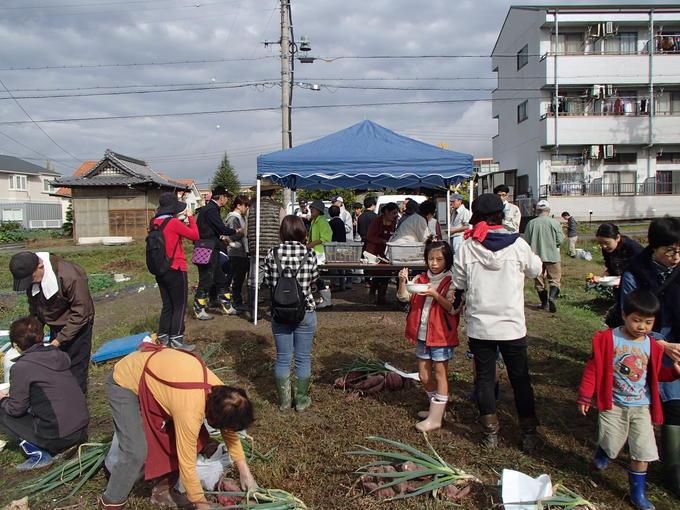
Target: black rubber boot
[(543, 296), (530, 437), (552, 299)]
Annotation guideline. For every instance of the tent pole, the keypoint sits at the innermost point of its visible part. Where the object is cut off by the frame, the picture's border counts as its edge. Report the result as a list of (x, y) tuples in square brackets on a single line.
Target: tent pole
[(292, 204), (257, 250), (448, 213)]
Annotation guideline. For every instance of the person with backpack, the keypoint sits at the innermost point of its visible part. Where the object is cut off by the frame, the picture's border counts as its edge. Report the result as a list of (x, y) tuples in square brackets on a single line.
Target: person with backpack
[(166, 260), (289, 270)]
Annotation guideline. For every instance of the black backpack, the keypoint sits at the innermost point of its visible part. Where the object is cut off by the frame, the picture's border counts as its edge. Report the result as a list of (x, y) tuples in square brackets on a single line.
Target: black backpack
[(157, 261), (288, 298)]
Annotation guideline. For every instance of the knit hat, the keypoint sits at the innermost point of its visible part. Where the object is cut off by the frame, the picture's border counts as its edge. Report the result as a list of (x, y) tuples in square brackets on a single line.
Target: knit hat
[(487, 203)]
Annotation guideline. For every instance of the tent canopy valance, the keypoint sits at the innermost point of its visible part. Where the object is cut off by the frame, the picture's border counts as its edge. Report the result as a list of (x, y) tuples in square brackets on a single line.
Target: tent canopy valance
[(365, 156)]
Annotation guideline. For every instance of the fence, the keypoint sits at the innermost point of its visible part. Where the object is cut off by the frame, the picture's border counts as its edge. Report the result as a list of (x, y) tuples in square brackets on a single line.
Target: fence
[(610, 189)]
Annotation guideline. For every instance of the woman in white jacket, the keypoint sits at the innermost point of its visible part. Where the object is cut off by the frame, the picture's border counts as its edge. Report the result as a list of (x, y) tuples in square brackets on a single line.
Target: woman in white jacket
[(491, 265)]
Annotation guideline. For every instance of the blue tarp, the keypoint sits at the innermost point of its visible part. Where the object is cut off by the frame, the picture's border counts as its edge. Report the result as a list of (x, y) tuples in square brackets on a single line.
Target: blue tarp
[(118, 348), (365, 156)]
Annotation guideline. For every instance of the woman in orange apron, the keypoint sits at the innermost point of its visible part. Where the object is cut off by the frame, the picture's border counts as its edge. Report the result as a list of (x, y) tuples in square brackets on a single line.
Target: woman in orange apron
[(159, 399)]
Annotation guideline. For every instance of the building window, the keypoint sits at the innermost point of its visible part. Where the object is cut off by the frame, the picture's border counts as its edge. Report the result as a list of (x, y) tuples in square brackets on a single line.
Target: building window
[(624, 43), (523, 57), (622, 158), (17, 182), (566, 159), (47, 187), (522, 185), (522, 111), (12, 215), (666, 158), (567, 43)]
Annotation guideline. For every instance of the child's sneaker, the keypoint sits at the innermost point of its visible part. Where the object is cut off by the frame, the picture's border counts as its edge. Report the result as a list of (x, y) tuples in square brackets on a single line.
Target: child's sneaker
[(600, 459), (37, 457)]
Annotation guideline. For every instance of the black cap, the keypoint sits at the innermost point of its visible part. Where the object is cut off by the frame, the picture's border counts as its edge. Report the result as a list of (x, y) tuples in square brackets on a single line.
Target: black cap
[(22, 265), (168, 203), (487, 203), (220, 191)]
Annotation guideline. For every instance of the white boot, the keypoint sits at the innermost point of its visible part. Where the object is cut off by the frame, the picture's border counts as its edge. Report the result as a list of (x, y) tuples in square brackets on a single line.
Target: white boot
[(434, 418), (325, 298)]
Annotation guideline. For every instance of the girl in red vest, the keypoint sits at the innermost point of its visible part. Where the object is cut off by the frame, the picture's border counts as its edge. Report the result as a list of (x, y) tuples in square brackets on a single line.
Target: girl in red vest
[(432, 325)]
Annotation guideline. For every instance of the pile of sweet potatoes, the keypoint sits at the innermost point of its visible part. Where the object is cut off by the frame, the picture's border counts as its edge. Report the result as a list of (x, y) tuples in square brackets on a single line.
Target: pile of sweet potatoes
[(375, 485), (369, 384)]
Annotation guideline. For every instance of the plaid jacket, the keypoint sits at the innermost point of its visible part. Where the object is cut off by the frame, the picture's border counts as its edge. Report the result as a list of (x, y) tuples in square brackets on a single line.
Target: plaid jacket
[(290, 255)]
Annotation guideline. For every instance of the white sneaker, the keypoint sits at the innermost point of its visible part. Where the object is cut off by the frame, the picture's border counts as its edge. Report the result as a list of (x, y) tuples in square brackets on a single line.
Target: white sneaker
[(203, 315)]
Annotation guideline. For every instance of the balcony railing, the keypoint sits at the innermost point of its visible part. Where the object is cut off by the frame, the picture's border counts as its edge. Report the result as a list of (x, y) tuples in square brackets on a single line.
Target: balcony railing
[(663, 44), (610, 189), (611, 106)]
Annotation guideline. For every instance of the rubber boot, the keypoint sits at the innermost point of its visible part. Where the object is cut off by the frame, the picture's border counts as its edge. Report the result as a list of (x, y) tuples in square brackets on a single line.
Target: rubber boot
[(424, 414), (434, 418), (530, 438), (302, 398), (37, 457), (381, 299), (670, 447), (177, 342), (638, 490), (283, 391), (552, 299), (543, 296), (325, 298), (224, 298), (490, 429), (200, 306), (600, 459)]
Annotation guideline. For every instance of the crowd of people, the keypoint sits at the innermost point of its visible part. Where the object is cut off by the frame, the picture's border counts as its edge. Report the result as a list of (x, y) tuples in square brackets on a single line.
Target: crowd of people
[(475, 272)]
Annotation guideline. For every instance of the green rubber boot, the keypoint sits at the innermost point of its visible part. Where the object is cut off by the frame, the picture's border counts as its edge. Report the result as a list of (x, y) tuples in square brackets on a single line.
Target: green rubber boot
[(283, 391), (302, 398), (670, 441)]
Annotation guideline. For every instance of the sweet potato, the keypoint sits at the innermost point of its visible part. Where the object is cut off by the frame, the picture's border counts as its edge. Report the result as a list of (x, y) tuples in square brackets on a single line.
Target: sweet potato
[(371, 381), (375, 389), (228, 485), (393, 381), (385, 492)]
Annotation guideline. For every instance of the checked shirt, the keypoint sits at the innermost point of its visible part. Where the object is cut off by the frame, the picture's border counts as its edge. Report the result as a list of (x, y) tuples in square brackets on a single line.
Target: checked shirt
[(290, 255)]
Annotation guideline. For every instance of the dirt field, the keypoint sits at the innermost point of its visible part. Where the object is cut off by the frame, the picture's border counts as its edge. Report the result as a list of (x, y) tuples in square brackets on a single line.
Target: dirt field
[(309, 458)]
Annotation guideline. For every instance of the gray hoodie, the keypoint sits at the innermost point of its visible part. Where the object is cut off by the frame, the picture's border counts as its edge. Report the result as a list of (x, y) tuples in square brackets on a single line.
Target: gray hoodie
[(42, 385)]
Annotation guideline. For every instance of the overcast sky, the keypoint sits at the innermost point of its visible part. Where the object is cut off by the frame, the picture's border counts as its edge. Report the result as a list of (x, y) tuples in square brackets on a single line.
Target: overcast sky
[(95, 33)]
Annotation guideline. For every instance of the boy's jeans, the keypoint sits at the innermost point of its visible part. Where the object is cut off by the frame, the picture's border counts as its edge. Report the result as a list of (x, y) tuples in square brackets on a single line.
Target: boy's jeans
[(294, 341)]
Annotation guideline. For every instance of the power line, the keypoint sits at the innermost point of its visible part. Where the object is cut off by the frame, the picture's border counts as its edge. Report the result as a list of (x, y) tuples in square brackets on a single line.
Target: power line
[(45, 157), (139, 64), (263, 109), (106, 4), (36, 124)]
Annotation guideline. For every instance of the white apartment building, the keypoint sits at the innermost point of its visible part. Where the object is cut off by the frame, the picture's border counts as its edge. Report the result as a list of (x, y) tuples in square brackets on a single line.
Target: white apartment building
[(588, 108)]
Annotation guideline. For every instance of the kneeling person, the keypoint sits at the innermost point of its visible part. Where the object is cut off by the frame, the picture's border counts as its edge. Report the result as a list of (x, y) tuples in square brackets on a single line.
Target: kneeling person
[(153, 387), (46, 411)]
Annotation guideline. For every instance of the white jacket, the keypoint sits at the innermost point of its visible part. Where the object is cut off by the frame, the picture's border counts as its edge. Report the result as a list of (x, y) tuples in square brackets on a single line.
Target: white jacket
[(494, 287)]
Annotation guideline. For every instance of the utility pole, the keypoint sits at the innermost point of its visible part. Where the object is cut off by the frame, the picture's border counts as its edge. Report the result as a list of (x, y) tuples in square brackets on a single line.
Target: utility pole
[(286, 130)]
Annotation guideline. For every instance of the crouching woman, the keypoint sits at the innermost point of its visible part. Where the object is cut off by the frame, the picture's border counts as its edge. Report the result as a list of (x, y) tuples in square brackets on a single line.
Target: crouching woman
[(45, 411), (159, 399)]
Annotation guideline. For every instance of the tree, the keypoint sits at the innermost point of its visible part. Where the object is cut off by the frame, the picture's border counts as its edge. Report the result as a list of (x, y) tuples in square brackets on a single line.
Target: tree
[(309, 195), (226, 176), (67, 226)]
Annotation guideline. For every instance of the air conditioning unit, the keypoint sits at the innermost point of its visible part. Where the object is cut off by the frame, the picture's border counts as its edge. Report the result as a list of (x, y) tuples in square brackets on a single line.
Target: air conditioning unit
[(608, 151), (595, 90), (594, 152), (609, 28)]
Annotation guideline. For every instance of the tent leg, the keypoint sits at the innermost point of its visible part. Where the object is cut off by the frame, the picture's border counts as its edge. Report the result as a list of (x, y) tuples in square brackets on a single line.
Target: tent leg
[(448, 213), (293, 202), (257, 251)]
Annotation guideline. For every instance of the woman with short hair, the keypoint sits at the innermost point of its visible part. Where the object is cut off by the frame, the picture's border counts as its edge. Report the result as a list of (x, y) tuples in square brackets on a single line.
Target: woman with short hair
[(293, 340), (237, 250)]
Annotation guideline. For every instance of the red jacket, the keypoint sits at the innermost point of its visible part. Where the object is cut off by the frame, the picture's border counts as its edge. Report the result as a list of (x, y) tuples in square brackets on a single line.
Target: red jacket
[(442, 327), (598, 375), (173, 232), (378, 235)]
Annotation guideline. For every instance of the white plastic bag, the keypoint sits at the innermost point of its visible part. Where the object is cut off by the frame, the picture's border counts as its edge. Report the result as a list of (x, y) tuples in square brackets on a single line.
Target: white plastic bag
[(520, 488), (583, 254), (210, 469)]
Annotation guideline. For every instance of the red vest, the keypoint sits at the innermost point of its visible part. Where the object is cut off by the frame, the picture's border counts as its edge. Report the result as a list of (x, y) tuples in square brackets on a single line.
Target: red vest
[(442, 327)]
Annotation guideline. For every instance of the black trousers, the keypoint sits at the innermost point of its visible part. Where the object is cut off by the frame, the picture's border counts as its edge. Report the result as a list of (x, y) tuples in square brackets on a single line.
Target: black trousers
[(211, 274), (79, 350), (23, 427), (239, 271), (516, 361), (174, 289)]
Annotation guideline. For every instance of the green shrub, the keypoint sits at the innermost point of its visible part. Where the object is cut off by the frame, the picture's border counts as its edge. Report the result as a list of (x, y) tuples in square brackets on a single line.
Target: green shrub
[(11, 232)]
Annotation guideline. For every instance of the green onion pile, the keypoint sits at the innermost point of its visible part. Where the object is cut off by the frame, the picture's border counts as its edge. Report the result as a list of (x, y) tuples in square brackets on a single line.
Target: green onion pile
[(262, 499), (248, 444), (83, 467), (433, 473), (564, 498)]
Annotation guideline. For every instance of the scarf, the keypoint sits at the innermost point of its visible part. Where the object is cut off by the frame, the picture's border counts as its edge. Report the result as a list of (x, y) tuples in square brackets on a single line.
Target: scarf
[(480, 231)]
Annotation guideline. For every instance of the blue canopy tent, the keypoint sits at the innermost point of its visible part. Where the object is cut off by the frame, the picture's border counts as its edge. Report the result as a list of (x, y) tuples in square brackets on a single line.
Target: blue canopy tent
[(363, 156)]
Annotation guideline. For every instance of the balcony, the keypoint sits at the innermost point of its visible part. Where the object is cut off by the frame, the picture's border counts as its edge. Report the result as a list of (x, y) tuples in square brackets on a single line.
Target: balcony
[(599, 189), (610, 121)]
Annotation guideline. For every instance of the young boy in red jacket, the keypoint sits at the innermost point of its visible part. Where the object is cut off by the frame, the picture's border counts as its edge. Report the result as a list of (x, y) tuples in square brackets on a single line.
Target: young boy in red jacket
[(623, 373)]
